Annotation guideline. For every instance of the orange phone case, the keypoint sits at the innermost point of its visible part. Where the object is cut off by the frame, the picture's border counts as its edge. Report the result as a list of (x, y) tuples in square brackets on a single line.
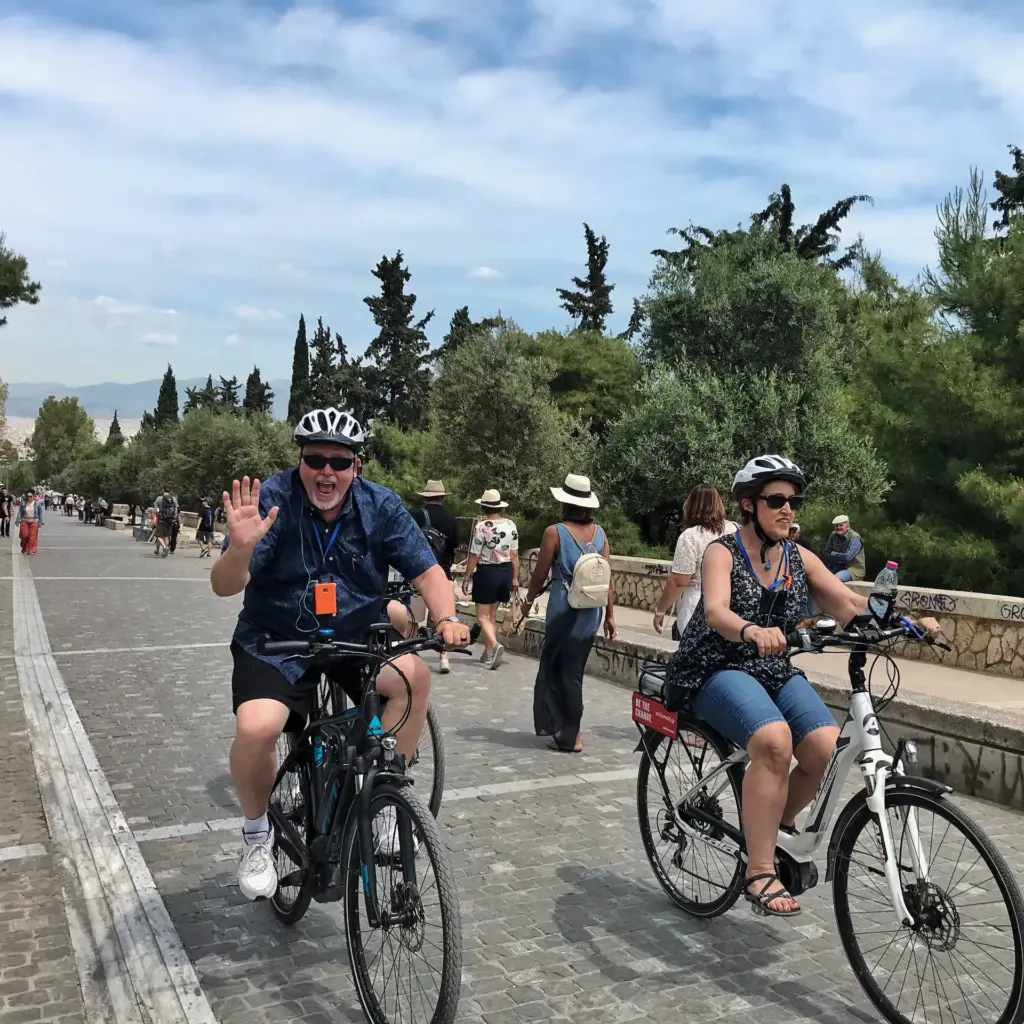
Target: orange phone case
[(325, 599)]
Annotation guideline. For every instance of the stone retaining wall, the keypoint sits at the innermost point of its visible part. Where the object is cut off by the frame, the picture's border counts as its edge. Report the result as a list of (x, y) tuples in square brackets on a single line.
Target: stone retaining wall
[(985, 631)]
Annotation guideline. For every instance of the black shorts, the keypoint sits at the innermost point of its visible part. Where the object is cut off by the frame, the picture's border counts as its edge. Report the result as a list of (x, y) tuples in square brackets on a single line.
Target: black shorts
[(204, 536), (255, 679), (492, 584)]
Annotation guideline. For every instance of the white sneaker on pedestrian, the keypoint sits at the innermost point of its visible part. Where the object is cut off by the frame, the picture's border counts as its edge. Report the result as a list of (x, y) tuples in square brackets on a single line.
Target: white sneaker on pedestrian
[(496, 656), (386, 840), (257, 873), (445, 665)]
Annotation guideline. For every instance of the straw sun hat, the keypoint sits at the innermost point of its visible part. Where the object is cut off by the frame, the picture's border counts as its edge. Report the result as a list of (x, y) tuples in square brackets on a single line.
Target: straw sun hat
[(577, 492), (491, 498)]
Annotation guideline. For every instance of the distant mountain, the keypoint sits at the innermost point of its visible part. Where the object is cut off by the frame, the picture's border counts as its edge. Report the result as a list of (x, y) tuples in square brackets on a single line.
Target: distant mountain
[(129, 400)]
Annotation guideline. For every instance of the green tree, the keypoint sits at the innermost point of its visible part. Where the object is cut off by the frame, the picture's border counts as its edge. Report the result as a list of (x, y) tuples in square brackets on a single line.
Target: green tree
[(227, 394), (591, 303), (64, 432), (167, 400), (522, 443), (396, 376), (259, 396), (115, 439), (298, 396), (201, 398), (322, 387), (1011, 190), (15, 284), (594, 377), (636, 321), (463, 326)]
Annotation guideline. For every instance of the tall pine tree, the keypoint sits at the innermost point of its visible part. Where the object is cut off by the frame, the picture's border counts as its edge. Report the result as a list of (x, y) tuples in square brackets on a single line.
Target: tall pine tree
[(461, 328), (167, 400), (591, 303), (397, 378), (259, 397), (298, 397), (322, 388), (114, 436), (227, 393)]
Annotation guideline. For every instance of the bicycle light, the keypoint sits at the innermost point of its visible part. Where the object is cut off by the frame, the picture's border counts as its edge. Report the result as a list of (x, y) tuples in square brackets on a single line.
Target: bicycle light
[(910, 751), (389, 743)]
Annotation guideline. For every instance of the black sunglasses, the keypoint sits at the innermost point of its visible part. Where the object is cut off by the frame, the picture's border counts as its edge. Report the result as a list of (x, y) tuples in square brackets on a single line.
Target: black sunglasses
[(339, 463), (776, 501)]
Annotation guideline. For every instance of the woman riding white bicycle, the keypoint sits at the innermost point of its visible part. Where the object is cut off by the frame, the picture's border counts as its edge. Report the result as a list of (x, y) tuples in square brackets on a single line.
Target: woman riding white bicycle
[(733, 666)]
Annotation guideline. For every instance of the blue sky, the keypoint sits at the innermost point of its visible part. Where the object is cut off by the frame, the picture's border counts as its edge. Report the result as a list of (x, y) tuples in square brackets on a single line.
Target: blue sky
[(186, 178)]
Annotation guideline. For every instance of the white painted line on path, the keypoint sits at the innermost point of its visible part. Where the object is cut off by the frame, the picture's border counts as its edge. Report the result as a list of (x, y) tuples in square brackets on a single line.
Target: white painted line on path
[(140, 650), (512, 788), (121, 933), (22, 852)]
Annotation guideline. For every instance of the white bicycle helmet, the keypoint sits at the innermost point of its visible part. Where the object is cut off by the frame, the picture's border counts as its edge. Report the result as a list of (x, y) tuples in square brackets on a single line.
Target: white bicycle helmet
[(330, 426), (764, 469)]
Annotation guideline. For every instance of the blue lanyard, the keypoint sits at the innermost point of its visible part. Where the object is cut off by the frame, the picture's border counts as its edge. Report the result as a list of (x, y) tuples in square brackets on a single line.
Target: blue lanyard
[(780, 580), (330, 543)]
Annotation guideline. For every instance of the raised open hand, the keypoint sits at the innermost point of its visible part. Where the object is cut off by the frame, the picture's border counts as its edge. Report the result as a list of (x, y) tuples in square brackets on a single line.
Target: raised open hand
[(246, 527)]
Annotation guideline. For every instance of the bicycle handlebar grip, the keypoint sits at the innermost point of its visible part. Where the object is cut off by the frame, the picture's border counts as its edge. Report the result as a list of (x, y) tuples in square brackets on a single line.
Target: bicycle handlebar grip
[(283, 646)]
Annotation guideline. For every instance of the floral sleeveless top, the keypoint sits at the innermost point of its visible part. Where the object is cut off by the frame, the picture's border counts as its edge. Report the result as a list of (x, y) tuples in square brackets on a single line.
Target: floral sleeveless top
[(703, 651)]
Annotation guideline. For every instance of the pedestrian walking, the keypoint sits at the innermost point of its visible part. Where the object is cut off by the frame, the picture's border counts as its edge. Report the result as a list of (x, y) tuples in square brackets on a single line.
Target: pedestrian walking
[(493, 566), (204, 532), (5, 514), (165, 515), (30, 518), (575, 551), (704, 521), (441, 529)]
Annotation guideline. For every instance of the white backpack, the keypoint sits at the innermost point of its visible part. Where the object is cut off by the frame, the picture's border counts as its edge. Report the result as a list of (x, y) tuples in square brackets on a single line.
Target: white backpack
[(591, 578)]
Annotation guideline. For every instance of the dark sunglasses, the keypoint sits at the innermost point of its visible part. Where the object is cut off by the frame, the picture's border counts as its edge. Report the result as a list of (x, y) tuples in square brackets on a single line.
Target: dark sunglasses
[(339, 463), (776, 501)]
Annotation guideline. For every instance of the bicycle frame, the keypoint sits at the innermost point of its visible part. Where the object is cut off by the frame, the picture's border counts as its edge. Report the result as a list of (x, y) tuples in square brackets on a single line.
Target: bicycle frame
[(859, 742)]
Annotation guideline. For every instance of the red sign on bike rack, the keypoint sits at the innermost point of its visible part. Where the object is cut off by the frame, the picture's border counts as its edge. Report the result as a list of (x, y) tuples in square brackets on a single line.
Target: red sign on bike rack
[(655, 716)]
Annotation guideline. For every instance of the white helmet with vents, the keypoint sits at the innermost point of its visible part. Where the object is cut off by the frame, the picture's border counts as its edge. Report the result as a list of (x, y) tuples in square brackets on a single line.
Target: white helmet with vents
[(766, 468), (330, 426)]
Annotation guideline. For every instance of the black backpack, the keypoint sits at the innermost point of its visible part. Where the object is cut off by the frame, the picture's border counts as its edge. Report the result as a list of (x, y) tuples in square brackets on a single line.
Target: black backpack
[(168, 509), (435, 538)]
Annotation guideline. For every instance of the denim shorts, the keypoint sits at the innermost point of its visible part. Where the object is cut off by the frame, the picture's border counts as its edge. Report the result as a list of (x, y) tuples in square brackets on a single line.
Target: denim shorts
[(737, 705)]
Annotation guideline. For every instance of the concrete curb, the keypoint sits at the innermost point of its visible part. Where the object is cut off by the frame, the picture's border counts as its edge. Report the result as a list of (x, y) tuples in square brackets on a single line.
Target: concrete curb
[(978, 751)]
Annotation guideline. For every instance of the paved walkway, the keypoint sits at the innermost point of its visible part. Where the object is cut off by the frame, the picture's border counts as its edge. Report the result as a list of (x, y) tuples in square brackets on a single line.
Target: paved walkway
[(124, 666)]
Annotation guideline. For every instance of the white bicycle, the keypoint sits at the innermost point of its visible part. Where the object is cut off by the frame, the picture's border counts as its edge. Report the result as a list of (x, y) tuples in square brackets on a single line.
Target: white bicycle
[(928, 912)]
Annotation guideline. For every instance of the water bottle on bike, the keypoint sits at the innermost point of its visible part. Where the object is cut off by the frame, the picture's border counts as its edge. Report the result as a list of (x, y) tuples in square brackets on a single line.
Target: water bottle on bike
[(884, 591)]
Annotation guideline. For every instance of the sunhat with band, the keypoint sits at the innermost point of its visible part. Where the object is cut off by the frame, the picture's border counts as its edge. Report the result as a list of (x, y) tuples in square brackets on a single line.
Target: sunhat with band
[(491, 498), (576, 492), (434, 489)]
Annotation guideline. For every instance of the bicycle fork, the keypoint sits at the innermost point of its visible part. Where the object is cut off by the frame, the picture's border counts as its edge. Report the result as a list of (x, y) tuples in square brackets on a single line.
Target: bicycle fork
[(876, 768)]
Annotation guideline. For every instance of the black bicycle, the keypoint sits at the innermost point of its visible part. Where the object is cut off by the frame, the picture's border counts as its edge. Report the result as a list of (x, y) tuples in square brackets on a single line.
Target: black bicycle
[(928, 911), (348, 827)]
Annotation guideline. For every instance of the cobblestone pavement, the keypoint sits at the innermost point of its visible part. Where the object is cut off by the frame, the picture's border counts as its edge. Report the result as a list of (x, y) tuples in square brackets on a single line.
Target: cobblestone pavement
[(562, 917)]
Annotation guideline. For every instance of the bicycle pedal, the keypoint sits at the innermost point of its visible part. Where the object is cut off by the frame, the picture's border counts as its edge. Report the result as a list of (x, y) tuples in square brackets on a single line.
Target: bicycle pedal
[(333, 894)]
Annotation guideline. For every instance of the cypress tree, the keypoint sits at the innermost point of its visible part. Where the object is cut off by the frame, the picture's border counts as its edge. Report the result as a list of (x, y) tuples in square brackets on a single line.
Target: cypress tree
[(167, 400), (297, 397), (591, 303)]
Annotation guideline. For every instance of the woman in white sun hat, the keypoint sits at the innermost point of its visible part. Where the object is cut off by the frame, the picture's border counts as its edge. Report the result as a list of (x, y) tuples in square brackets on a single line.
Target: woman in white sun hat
[(494, 568), (569, 632)]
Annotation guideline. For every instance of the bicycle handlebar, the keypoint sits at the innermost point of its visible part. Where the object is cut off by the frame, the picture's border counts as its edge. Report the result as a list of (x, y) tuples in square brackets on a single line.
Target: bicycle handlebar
[(329, 649), (815, 640)]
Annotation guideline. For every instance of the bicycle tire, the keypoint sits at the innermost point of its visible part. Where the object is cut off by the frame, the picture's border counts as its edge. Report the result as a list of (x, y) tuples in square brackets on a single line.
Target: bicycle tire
[(432, 734), (432, 845), (1013, 1013), (732, 890), (289, 911)]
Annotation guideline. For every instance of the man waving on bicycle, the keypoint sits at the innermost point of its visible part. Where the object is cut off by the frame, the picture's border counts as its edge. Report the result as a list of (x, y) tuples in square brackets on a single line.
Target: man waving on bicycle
[(313, 530)]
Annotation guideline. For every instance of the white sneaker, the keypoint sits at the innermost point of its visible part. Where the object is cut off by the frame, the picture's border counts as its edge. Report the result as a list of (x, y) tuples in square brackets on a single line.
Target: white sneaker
[(257, 873), (386, 840), (499, 653), (445, 665)]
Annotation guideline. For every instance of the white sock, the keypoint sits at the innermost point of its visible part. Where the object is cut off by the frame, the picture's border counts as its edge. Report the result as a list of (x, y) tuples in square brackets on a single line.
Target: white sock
[(256, 829)]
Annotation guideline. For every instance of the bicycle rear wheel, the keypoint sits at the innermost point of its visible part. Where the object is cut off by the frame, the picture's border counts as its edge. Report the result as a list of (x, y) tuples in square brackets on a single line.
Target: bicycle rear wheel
[(700, 878), (410, 969), (292, 800), (427, 765), (962, 959)]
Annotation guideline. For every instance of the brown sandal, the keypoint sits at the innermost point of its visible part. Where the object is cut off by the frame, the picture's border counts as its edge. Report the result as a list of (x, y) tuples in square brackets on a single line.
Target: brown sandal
[(761, 901)]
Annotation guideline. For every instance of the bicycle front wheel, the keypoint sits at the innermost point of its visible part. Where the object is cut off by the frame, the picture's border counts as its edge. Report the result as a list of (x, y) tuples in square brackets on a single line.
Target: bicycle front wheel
[(410, 968), (962, 957)]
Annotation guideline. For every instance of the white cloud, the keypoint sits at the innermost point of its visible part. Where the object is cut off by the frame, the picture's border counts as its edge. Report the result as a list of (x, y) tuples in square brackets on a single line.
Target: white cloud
[(255, 313), (486, 273), (160, 339), (231, 142), (57, 264), (232, 340)]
